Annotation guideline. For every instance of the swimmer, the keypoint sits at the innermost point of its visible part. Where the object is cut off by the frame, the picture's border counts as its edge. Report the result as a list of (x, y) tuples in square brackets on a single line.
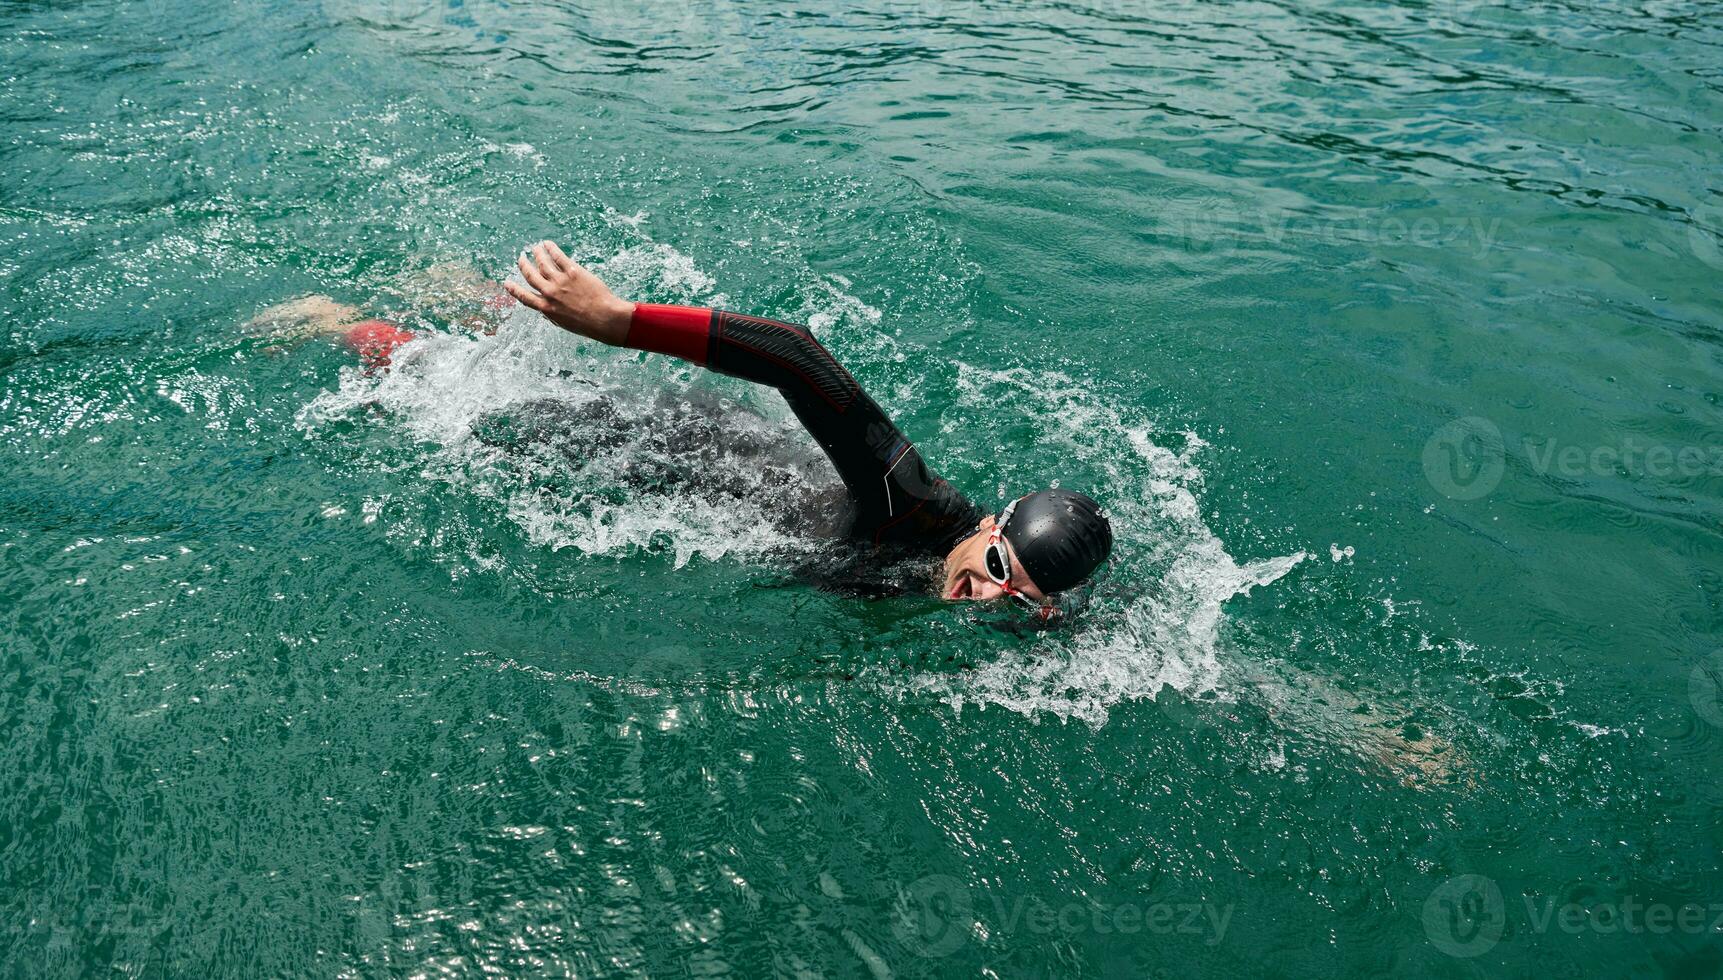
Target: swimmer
[(447, 291), (1037, 547)]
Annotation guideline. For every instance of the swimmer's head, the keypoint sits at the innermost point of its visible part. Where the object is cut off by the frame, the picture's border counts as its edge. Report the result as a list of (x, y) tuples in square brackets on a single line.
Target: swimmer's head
[(1037, 547)]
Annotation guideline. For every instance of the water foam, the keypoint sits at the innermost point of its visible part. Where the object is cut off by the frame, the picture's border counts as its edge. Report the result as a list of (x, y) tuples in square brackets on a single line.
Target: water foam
[(1166, 631), (443, 389)]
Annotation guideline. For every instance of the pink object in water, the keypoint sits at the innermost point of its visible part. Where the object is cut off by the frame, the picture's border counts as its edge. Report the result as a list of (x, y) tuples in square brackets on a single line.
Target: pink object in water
[(375, 340)]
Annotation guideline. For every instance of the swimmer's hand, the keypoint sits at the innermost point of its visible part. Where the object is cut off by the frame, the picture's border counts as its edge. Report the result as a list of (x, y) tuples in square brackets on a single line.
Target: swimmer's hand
[(570, 297)]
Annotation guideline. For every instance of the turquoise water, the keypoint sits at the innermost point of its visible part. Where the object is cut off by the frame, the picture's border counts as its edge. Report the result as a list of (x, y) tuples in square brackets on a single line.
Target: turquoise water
[(1388, 333)]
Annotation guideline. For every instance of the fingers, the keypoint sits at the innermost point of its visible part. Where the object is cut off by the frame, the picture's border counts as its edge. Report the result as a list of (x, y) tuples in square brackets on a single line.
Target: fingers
[(567, 262), (547, 263), (530, 273), (552, 257), (527, 297)]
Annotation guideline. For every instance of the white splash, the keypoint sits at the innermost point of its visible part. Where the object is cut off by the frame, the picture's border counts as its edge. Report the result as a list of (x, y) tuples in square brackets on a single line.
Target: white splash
[(1169, 632), (442, 386)]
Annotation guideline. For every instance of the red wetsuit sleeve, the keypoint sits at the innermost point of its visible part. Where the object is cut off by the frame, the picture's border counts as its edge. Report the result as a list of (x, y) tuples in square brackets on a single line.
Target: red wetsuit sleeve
[(680, 331)]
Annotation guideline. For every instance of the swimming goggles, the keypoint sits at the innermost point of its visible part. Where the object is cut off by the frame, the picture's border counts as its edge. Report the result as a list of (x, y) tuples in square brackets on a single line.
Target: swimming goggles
[(997, 560)]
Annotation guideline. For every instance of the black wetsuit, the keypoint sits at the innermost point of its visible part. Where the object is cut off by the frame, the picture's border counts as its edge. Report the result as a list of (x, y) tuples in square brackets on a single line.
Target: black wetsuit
[(897, 502)]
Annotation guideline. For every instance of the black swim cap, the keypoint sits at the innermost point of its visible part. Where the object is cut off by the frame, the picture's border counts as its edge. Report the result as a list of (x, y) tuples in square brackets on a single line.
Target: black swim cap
[(1060, 537)]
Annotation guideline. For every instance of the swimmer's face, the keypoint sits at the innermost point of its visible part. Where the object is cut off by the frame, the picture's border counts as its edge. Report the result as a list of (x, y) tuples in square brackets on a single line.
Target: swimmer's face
[(966, 571)]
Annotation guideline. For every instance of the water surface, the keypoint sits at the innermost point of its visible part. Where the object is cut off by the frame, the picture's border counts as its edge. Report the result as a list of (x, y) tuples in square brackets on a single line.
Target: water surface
[(1388, 333)]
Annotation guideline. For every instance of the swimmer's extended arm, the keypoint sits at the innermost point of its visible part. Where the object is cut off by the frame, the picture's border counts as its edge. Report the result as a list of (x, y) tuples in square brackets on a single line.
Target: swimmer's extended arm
[(897, 497)]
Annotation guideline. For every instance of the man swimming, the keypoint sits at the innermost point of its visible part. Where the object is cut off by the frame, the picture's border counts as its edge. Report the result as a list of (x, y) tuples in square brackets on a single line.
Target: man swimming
[(1040, 545)]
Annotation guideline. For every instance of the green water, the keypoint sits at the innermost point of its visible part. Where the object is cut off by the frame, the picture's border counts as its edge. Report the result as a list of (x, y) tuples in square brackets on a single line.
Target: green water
[(298, 677)]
